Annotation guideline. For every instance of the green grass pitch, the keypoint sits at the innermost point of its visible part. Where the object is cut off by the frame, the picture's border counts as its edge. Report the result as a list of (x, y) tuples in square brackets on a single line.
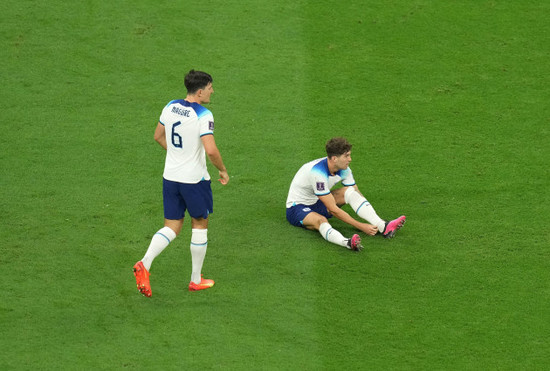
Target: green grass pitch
[(446, 104)]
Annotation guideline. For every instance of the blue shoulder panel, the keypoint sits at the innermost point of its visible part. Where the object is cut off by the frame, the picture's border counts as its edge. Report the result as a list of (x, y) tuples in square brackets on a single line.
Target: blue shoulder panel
[(342, 173), (180, 101), (322, 167), (200, 110)]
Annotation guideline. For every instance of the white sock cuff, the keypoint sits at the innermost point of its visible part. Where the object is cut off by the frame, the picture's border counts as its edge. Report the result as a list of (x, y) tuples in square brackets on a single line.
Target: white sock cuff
[(324, 228), (348, 193), (332, 235), (355, 199), (199, 237), (167, 233)]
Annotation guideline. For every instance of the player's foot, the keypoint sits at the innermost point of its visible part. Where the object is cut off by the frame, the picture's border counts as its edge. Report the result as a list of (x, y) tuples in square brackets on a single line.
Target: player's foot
[(205, 284), (393, 226), (142, 279), (354, 243)]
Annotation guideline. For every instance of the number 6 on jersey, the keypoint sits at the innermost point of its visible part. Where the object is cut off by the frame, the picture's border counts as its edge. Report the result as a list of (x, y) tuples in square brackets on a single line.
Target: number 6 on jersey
[(176, 138)]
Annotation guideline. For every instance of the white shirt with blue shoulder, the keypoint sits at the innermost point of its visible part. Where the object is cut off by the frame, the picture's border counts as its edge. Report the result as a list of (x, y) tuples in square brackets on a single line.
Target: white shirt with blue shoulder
[(313, 180), (185, 123)]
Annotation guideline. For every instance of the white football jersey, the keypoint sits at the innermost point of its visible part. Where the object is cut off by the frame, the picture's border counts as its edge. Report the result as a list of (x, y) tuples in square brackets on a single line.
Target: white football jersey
[(314, 180), (185, 123)]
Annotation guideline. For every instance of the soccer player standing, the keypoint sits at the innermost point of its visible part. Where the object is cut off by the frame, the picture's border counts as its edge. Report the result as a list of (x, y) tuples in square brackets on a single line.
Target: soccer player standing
[(186, 131), (310, 202)]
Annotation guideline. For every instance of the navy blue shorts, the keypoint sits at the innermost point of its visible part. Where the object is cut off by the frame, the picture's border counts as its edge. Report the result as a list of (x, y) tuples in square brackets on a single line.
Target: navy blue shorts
[(195, 198), (297, 213)]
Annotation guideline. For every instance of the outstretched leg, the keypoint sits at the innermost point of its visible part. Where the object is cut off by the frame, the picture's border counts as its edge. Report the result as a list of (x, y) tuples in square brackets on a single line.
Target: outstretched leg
[(363, 208), (319, 223)]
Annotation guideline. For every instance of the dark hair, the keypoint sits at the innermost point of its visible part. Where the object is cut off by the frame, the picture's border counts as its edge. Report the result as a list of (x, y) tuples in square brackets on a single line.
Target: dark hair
[(337, 147), (195, 80)]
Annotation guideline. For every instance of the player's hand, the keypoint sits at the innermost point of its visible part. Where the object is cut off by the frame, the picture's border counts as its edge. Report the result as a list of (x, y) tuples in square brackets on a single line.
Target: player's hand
[(224, 177), (369, 229)]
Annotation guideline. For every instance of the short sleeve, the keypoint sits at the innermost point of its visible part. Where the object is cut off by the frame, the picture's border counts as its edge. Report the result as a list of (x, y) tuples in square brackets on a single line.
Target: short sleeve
[(320, 185), (206, 123), (347, 177)]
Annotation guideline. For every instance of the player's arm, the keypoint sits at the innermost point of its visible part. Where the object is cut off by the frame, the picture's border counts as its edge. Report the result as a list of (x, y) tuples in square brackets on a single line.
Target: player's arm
[(330, 203), (160, 135), (215, 157)]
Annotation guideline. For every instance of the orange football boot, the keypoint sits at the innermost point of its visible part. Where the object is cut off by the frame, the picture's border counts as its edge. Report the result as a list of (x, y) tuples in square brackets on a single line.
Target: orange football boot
[(205, 284), (142, 279)]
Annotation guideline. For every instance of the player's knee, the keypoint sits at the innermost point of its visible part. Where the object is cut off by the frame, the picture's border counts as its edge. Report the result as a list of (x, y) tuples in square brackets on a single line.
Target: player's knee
[(313, 221), (174, 225), (199, 223), (320, 220), (351, 194), (339, 195)]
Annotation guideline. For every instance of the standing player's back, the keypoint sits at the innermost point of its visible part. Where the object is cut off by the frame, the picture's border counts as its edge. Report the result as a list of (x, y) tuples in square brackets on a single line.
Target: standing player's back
[(185, 123)]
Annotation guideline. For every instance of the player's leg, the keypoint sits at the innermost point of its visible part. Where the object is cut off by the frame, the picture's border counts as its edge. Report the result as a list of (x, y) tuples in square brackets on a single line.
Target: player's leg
[(338, 195), (174, 210), (200, 205), (318, 220), (199, 244), (161, 240), (364, 209)]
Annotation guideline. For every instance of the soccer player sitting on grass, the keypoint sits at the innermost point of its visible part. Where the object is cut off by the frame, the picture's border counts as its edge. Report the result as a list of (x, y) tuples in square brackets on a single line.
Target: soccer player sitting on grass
[(186, 131), (310, 202)]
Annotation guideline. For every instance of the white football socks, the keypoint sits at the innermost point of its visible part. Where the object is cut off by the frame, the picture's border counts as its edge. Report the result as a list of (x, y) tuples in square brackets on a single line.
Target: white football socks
[(160, 240), (332, 235), (199, 243), (363, 208)]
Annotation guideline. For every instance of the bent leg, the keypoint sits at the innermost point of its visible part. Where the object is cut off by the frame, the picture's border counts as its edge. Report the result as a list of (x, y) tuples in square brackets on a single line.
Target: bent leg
[(161, 240), (339, 195), (313, 221), (362, 207)]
